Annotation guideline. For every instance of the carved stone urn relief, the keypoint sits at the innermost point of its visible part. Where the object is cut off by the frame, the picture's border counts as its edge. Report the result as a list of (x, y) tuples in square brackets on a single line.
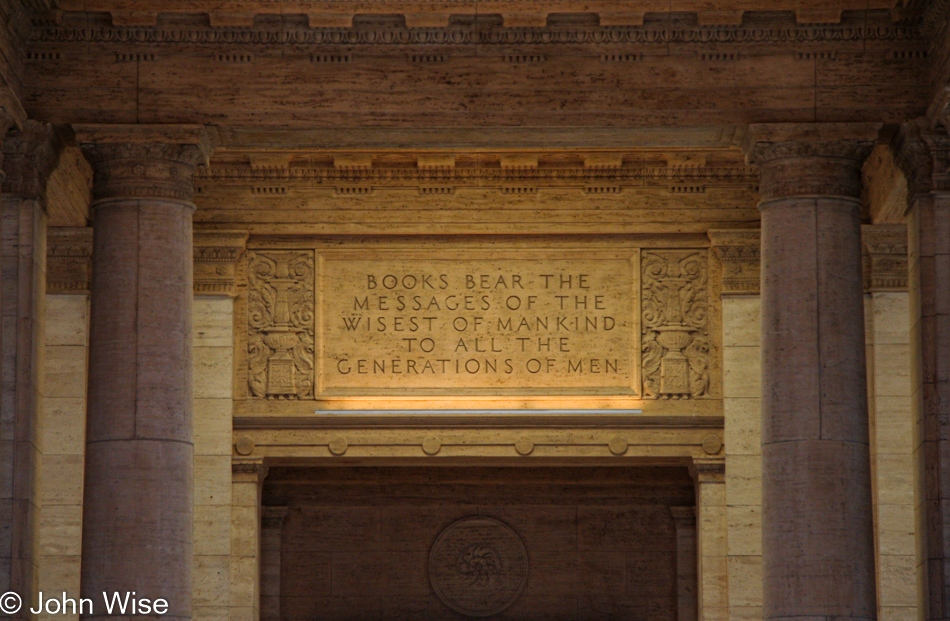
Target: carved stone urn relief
[(675, 326), (280, 325)]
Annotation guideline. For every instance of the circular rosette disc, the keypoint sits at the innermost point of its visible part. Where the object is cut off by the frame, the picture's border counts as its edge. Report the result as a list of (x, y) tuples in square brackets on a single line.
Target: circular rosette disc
[(478, 566)]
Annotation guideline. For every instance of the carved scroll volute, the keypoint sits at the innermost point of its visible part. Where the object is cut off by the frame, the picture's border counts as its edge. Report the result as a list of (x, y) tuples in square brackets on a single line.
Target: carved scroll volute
[(280, 321), (675, 346)]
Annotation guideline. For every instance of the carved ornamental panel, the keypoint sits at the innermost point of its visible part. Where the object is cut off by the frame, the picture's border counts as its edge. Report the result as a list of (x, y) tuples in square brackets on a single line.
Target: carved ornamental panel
[(280, 309), (675, 334)]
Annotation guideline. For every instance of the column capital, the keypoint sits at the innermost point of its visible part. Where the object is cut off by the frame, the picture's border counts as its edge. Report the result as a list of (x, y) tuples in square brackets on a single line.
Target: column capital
[(145, 161), (29, 156), (11, 111), (273, 516), (817, 159), (885, 257), (708, 470), (684, 517), (922, 153), (216, 257), (739, 252), (7, 121), (68, 259), (249, 470)]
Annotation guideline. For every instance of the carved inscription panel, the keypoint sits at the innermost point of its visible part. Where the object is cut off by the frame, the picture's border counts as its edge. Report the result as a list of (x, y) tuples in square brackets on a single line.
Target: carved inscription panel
[(479, 324), (613, 322)]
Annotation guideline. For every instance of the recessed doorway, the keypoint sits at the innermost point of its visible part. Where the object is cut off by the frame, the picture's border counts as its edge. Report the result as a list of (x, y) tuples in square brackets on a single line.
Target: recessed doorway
[(552, 543)]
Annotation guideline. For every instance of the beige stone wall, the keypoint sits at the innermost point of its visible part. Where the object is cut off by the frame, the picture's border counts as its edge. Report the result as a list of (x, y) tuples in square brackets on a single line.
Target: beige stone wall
[(711, 531), (742, 412), (887, 320), (892, 453), (62, 433), (213, 373), (62, 438), (246, 541)]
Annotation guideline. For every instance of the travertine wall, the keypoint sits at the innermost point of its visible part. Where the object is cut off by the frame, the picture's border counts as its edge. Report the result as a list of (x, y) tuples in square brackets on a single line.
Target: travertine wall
[(712, 528), (892, 453), (245, 600), (887, 322), (62, 416), (742, 412), (213, 373)]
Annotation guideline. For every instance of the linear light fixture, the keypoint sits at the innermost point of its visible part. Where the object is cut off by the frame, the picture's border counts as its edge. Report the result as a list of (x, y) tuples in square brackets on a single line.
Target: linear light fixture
[(521, 412)]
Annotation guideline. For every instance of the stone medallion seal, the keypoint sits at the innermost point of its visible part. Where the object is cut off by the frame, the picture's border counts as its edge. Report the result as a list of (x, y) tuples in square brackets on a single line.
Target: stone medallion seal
[(478, 566)]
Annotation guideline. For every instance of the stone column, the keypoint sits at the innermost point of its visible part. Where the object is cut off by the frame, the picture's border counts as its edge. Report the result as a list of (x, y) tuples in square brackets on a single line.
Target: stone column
[(138, 502), (923, 154), (29, 156), (818, 552)]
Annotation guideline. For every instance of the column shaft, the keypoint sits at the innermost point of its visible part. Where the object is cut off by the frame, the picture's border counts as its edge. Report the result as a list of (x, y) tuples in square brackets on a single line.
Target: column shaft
[(930, 223)]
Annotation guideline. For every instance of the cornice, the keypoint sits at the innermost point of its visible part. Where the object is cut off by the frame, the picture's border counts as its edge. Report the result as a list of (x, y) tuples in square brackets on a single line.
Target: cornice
[(744, 174), (277, 183), (524, 12), (686, 28), (596, 172)]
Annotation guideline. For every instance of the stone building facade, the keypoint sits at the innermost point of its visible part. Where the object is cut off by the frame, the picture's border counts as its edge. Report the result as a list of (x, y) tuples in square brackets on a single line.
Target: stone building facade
[(421, 309)]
